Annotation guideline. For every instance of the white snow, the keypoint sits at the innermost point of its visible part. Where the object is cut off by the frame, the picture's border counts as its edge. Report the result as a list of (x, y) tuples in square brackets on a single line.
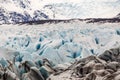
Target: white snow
[(66, 9)]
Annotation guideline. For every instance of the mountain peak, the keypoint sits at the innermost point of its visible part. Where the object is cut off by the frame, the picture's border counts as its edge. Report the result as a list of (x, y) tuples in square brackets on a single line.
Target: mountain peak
[(118, 16)]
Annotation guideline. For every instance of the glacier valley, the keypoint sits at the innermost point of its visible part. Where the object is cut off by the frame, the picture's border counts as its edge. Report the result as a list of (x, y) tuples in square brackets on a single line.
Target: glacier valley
[(60, 43)]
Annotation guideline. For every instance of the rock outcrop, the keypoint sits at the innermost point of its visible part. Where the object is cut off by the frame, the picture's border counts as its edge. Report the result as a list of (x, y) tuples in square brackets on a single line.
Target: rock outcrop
[(103, 67)]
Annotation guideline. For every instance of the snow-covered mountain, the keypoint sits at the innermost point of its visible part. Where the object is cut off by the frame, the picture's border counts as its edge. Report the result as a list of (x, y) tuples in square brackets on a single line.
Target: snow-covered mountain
[(118, 16), (12, 11)]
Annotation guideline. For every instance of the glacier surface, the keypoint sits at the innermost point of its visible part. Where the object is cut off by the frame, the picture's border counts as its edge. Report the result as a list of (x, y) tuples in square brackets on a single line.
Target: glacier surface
[(59, 43)]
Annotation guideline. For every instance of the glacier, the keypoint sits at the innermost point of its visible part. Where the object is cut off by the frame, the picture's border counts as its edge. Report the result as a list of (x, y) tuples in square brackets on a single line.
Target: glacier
[(51, 40), (38, 51), (59, 43)]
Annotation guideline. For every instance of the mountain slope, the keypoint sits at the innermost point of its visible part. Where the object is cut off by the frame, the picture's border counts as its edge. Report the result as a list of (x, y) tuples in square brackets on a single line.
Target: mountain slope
[(12, 11), (118, 16)]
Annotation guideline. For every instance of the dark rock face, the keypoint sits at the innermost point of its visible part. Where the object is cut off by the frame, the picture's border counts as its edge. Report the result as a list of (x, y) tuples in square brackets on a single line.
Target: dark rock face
[(111, 55), (102, 20), (103, 67), (15, 17), (118, 16)]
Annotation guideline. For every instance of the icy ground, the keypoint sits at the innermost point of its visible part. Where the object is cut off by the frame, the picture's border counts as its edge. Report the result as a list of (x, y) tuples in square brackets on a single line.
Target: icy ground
[(61, 42)]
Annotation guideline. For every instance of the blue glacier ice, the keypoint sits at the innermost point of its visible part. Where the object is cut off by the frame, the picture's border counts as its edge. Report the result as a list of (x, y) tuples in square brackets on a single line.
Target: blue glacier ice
[(59, 43)]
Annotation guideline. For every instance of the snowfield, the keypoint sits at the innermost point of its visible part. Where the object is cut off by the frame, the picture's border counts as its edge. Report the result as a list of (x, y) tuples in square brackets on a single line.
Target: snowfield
[(15, 11), (59, 43)]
